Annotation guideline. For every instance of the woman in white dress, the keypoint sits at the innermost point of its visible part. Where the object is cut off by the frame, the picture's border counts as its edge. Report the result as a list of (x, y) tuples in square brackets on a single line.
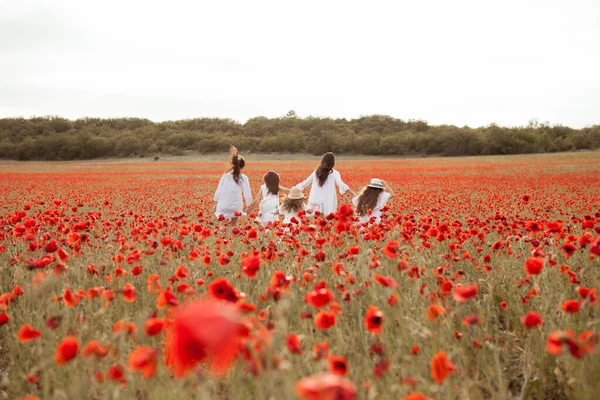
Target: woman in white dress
[(323, 181), (232, 186), (268, 196), (373, 198)]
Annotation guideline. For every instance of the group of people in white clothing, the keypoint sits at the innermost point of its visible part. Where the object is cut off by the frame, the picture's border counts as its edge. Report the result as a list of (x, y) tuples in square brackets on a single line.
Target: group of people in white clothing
[(234, 189)]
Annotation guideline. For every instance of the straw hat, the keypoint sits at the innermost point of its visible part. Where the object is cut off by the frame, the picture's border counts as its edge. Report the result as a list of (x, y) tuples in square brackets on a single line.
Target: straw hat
[(376, 183), (295, 193)]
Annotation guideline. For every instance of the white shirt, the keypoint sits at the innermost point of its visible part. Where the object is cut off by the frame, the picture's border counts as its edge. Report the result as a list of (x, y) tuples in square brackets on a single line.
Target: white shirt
[(269, 206), (376, 212), (229, 195), (324, 197)]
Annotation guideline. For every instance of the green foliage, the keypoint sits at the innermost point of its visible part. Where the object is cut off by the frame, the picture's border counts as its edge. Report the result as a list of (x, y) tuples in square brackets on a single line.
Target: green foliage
[(56, 138)]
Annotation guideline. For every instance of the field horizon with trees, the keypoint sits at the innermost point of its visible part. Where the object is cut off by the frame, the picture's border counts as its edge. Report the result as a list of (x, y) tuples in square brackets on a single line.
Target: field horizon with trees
[(56, 138)]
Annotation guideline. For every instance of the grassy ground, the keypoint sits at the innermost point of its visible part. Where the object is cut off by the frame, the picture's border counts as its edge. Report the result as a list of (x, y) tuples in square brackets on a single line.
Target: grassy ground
[(456, 221)]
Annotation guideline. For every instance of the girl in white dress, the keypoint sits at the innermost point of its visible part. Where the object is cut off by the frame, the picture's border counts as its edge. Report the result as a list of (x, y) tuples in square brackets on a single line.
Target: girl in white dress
[(374, 197), (234, 184), (293, 204), (323, 181), (268, 196)]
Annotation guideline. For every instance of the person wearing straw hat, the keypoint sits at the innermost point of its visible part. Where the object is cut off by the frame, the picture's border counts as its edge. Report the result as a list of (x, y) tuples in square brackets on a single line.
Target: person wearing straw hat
[(293, 204), (372, 199)]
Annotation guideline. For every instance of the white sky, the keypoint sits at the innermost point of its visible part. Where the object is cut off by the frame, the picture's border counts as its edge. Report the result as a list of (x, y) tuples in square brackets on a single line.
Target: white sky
[(447, 62)]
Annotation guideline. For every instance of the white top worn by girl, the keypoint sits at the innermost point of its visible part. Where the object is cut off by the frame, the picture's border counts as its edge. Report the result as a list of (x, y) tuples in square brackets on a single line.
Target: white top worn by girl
[(324, 197), (288, 215), (376, 212), (229, 195), (269, 206)]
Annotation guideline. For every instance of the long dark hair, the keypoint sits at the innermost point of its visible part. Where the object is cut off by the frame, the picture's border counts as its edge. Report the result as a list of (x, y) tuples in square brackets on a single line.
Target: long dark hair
[(327, 164), (272, 181), (292, 205), (368, 200), (237, 164)]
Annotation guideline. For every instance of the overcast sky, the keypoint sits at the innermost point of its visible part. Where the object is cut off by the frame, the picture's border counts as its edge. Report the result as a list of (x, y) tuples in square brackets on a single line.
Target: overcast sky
[(447, 62)]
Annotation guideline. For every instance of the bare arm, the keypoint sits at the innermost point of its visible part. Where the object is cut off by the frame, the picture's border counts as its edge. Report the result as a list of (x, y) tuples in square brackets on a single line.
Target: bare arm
[(246, 191), (388, 189), (284, 189), (343, 188), (257, 199), (303, 185)]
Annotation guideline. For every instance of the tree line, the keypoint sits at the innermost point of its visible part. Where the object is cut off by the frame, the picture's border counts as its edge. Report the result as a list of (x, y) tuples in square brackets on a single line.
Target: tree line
[(56, 138)]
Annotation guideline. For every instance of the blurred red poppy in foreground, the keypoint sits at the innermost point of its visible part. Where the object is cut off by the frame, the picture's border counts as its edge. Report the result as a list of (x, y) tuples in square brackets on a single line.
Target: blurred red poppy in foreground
[(204, 330), (326, 386)]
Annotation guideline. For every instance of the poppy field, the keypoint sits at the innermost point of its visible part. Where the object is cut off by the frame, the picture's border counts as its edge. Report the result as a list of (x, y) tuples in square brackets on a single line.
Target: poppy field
[(480, 282)]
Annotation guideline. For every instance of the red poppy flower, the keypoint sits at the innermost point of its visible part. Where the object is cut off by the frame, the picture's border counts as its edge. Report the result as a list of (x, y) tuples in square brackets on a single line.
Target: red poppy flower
[(143, 359), (321, 350), (463, 293), (434, 311), (4, 318), (472, 319), (570, 306), (415, 396), (534, 265), (154, 326), (17, 291), (503, 305), (251, 265), (325, 320), (319, 298), (129, 292), (440, 367), (27, 333), (387, 281), (95, 349), (66, 350), (354, 250), (153, 284), (221, 289), (392, 249), (373, 320), (531, 319), (182, 272), (71, 299), (326, 386), (116, 372), (204, 330), (569, 249), (293, 344), (338, 365)]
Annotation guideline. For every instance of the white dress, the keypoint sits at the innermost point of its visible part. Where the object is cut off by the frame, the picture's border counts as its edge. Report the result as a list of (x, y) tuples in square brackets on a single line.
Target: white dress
[(376, 212), (229, 195), (324, 197), (269, 206), (288, 215)]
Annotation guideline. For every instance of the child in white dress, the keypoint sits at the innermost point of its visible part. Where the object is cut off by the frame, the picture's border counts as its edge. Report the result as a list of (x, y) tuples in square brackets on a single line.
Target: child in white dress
[(232, 186), (293, 204), (268, 196), (374, 197), (323, 181)]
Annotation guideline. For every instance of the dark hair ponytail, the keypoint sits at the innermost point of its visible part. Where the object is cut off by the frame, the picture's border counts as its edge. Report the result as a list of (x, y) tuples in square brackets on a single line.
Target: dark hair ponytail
[(327, 164), (237, 163)]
